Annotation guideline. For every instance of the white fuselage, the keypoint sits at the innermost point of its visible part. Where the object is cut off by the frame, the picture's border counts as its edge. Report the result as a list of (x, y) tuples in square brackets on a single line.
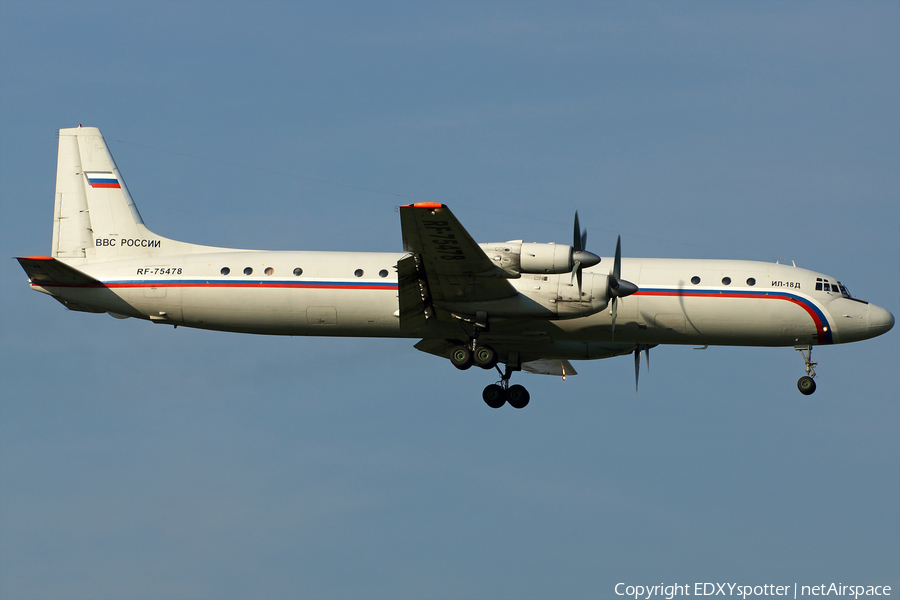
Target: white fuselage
[(356, 294)]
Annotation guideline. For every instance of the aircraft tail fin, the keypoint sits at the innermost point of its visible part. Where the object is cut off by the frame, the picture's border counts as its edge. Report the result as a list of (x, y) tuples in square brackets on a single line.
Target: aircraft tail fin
[(94, 216)]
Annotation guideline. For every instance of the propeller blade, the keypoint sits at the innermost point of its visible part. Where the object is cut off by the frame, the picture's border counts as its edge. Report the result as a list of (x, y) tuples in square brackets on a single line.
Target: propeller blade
[(613, 311), (637, 366), (576, 273), (617, 264), (579, 237), (578, 276)]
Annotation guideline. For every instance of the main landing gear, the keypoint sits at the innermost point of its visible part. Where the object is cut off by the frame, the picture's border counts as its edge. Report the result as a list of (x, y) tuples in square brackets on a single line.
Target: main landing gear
[(498, 394), (806, 384), (466, 355)]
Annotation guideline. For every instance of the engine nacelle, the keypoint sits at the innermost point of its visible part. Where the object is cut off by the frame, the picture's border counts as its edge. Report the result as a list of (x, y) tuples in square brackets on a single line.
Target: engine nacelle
[(516, 257), (546, 258), (593, 298), (543, 297)]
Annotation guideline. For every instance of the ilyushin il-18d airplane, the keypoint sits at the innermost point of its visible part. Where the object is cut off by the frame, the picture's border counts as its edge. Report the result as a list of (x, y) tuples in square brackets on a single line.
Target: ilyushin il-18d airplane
[(527, 306)]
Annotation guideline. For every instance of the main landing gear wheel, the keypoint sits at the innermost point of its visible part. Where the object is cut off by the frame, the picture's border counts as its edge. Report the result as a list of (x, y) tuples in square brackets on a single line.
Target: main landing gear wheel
[(485, 357), (805, 384), (494, 396), (498, 394), (461, 357), (517, 396)]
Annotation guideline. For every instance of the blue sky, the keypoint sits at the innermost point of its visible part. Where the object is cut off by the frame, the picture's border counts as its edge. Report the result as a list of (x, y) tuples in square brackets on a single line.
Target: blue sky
[(141, 462)]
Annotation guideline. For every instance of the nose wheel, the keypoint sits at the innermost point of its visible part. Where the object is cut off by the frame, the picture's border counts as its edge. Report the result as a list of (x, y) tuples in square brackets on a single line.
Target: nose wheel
[(806, 384), (498, 394)]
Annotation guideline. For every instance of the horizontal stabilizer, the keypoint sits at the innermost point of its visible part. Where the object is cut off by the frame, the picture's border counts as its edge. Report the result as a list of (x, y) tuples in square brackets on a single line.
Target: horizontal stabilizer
[(47, 271), (549, 366)]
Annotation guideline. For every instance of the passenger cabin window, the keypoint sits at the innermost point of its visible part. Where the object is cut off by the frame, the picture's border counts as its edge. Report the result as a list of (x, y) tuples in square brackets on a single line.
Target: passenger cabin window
[(248, 271), (695, 280), (726, 281), (270, 271), (298, 271), (358, 272), (751, 281), (225, 271), (383, 273)]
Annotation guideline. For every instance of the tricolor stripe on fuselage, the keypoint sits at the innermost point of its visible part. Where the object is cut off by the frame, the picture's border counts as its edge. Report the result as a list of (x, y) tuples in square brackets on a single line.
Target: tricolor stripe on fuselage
[(211, 283), (823, 329), (258, 283)]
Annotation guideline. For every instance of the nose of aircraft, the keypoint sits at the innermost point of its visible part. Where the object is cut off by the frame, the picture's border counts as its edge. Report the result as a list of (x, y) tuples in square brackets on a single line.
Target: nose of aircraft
[(879, 320)]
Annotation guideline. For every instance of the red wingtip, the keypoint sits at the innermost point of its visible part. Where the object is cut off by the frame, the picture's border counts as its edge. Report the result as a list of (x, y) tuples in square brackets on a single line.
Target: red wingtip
[(425, 205), (36, 257)]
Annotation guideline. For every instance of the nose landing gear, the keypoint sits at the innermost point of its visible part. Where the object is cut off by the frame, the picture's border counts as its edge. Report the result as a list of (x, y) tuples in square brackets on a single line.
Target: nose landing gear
[(806, 384)]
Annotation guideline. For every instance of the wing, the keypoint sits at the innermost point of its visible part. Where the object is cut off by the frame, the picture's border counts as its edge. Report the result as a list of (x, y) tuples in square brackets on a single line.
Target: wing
[(453, 266)]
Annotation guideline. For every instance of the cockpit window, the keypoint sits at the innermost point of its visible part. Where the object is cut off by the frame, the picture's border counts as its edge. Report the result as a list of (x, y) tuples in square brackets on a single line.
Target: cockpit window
[(823, 285)]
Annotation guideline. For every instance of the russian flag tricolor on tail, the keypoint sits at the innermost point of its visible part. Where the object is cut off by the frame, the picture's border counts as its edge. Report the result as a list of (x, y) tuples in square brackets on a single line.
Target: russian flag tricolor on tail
[(103, 180)]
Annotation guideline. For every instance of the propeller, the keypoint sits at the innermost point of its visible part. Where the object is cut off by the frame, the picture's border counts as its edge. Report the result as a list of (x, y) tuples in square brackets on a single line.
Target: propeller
[(637, 362), (618, 287), (581, 258)]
